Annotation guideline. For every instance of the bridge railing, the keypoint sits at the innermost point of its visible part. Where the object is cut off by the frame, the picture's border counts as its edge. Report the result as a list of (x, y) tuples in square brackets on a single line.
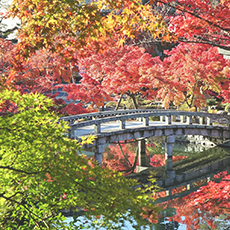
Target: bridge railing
[(166, 117), (90, 116)]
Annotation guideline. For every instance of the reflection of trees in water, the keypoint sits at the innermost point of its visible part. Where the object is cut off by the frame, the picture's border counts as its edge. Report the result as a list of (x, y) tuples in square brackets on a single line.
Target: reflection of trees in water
[(121, 157), (192, 148), (207, 208), (189, 147)]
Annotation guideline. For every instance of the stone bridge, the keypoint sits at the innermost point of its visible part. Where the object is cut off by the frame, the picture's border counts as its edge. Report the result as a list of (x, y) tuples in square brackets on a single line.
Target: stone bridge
[(125, 125)]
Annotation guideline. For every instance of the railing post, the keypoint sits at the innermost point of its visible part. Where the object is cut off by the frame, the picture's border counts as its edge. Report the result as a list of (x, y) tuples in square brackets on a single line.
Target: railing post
[(162, 118), (182, 118), (168, 192), (173, 118), (189, 186), (97, 128), (189, 120), (140, 119), (122, 124), (168, 120), (209, 121), (201, 120), (146, 121)]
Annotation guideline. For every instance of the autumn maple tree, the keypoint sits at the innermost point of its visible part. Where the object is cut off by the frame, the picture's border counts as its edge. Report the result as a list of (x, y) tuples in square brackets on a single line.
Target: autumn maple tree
[(117, 71), (191, 21), (187, 72), (68, 28), (64, 27), (40, 74)]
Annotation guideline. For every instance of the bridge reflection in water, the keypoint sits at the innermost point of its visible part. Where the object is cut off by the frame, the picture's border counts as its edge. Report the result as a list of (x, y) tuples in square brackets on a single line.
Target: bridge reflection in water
[(177, 200)]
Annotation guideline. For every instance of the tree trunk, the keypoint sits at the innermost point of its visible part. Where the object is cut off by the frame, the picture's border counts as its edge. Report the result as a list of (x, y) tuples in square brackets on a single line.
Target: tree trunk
[(119, 102), (134, 101)]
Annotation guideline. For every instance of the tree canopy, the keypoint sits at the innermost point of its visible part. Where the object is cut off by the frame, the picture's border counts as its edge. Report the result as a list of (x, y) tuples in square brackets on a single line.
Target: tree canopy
[(188, 72), (118, 71), (199, 21), (42, 172), (68, 32), (66, 26)]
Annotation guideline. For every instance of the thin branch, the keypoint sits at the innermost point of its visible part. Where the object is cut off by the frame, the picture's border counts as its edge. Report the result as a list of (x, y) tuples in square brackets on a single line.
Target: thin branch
[(10, 197), (182, 9), (21, 171), (200, 40), (10, 30), (204, 42), (87, 188), (32, 214), (119, 102), (211, 39)]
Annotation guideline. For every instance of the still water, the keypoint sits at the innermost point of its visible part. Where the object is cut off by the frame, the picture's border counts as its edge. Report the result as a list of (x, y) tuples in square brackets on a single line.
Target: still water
[(202, 203)]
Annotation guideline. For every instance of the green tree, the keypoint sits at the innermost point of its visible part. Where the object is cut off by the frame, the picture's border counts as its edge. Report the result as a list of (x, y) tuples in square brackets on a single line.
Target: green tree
[(41, 174)]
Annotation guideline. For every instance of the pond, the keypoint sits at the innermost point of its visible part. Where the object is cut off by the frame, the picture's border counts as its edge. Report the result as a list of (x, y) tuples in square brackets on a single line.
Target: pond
[(201, 203)]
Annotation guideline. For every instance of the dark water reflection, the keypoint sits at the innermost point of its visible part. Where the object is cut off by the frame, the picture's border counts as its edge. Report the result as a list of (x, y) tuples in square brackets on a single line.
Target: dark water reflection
[(203, 203), (208, 207)]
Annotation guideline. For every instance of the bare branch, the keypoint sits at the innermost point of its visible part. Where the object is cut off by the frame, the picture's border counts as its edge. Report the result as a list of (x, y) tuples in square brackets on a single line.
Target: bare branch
[(9, 30)]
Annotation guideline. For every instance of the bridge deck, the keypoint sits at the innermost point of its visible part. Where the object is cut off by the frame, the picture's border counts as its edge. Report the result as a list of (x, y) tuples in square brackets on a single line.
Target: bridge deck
[(114, 126)]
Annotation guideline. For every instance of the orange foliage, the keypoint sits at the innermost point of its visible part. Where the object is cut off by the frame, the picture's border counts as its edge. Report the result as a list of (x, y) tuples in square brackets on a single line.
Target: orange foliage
[(188, 71), (116, 71), (114, 159), (158, 160)]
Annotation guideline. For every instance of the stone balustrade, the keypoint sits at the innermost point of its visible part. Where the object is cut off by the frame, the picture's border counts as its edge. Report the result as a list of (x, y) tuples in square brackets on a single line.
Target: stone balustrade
[(166, 116), (96, 115)]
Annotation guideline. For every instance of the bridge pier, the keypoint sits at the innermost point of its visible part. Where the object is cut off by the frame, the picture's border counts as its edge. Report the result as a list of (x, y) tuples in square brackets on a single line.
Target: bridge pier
[(142, 156), (99, 150), (142, 152), (168, 155)]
